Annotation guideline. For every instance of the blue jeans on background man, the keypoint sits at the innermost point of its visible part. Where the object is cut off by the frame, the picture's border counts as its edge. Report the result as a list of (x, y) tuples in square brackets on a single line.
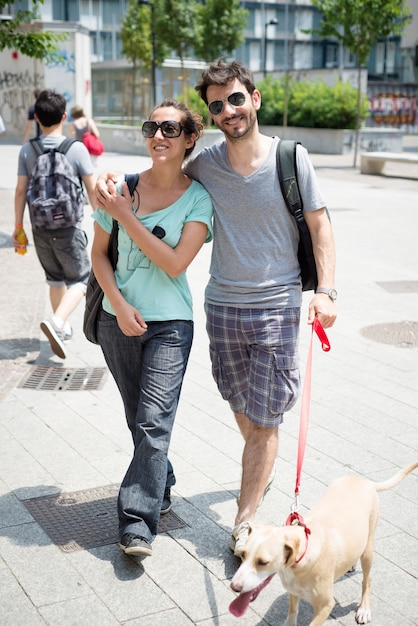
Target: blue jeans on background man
[(149, 372)]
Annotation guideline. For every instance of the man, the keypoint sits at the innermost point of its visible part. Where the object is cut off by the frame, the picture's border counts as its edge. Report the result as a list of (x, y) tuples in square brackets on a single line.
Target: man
[(254, 295), (62, 252), (31, 120)]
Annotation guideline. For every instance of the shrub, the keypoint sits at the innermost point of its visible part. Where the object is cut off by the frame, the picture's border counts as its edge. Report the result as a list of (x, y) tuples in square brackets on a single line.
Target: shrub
[(310, 104)]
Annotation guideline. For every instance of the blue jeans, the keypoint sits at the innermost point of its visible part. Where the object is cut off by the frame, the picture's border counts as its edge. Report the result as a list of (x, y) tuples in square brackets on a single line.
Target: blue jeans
[(149, 372)]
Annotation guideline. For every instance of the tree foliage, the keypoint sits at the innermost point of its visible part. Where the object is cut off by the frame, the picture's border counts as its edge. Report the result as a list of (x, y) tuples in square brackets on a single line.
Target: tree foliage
[(15, 34), (359, 24), (183, 28), (136, 33), (223, 23)]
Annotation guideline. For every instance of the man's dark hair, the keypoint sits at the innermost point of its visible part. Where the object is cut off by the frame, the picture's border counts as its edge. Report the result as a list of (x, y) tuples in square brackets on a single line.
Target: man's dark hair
[(222, 73), (50, 107)]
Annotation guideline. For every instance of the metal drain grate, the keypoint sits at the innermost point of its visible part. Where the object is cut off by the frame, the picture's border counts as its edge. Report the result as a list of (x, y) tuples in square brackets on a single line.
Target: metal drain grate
[(400, 334), (64, 379), (85, 519)]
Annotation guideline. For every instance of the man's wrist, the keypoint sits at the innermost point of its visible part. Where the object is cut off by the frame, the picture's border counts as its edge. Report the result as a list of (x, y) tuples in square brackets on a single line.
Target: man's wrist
[(330, 292)]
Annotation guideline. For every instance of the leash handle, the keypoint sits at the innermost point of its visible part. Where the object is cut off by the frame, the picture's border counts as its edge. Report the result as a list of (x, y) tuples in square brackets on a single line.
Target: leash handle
[(322, 336), (306, 400)]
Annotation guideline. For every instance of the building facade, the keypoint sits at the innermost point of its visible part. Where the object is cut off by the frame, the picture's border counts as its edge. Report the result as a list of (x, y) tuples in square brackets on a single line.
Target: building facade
[(276, 41)]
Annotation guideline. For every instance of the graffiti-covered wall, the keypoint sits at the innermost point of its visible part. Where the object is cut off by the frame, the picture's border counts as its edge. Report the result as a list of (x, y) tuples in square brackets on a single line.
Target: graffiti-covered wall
[(69, 74), (393, 106)]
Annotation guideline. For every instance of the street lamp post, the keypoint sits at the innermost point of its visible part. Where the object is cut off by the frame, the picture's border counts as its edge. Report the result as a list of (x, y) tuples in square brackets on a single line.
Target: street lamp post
[(153, 55), (271, 22)]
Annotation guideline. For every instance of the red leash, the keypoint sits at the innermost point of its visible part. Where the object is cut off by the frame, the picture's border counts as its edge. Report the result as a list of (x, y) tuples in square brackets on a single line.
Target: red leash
[(295, 517)]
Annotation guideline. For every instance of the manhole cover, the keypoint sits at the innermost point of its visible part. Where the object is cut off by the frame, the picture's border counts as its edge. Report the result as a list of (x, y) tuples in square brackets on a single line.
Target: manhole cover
[(399, 286), (85, 519), (64, 379), (401, 334)]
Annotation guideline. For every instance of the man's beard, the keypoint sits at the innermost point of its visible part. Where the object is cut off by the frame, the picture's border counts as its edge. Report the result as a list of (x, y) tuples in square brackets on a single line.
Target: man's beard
[(239, 133)]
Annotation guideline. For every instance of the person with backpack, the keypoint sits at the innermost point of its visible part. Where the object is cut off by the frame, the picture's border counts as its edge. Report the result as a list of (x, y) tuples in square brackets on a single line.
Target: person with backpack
[(145, 327), (254, 295), (50, 171)]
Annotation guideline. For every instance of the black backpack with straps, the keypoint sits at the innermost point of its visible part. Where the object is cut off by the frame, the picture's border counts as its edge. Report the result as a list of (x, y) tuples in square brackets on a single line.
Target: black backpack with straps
[(287, 171)]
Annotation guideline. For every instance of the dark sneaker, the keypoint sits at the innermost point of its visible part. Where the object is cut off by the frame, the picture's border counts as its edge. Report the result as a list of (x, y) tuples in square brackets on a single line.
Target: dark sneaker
[(135, 545), (166, 504), (55, 337)]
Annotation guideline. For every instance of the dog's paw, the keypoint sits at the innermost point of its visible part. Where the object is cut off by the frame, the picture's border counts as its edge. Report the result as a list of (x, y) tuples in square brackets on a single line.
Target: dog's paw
[(363, 616), (291, 620)]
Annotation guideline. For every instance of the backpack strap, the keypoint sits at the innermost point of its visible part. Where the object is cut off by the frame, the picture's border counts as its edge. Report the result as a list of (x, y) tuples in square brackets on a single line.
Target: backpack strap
[(287, 171), (37, 146), (66, 145), (132, 181)]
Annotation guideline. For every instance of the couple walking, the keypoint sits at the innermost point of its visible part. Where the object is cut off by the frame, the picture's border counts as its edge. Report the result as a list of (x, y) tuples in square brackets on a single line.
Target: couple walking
[(252, 301)]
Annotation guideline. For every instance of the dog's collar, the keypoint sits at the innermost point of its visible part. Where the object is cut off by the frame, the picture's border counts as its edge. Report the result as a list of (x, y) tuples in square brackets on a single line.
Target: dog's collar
[(295, 519)]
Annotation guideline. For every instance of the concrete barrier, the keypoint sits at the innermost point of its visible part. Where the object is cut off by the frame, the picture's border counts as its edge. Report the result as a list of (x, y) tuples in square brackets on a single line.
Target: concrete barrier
[(374, 162), (129, 139), (340, 141)]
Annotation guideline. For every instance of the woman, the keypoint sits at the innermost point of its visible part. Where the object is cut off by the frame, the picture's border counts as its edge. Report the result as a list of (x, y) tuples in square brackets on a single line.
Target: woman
[(145, 328), (80, 125)]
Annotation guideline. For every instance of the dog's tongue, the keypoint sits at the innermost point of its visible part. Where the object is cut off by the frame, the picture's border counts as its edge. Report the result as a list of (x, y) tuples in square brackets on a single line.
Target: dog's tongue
[(241, 603)]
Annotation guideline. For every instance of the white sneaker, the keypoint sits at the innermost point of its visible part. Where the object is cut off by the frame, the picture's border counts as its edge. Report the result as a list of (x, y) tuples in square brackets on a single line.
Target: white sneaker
[(68, 333), (55, 337), (239, 538)]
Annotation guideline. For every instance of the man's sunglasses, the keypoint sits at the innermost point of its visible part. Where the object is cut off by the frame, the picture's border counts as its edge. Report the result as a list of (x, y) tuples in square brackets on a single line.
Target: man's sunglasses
[(169, 129), (237, 99)]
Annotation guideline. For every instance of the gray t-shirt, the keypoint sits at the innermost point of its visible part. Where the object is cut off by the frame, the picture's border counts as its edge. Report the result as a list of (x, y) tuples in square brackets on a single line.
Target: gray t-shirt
[(254, 258), (77, 155)]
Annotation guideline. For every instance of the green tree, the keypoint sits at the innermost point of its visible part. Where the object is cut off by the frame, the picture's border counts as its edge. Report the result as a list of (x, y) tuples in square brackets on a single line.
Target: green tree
[(358, 25), (139, 28), (15, 34), (223, 23), (182, 30)]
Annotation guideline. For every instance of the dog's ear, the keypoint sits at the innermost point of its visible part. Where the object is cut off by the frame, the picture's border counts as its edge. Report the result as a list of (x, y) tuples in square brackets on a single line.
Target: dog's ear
[(290, 550)]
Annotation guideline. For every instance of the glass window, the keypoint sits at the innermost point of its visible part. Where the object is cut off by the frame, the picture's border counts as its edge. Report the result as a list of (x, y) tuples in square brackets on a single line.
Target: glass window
[(65, 10)]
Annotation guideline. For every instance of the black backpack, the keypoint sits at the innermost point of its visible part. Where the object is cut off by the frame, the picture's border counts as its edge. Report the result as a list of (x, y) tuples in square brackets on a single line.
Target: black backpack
[(55, 194), (286, 168)]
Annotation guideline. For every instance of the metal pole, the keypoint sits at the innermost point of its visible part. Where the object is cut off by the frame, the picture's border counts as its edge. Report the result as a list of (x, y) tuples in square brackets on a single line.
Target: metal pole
[(271, 22)]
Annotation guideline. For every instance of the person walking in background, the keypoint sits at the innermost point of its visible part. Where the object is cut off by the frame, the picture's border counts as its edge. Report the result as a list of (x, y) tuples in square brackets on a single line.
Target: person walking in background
[(31, 121), (145, 328), (62, 251), (80, 125), (254, 295)]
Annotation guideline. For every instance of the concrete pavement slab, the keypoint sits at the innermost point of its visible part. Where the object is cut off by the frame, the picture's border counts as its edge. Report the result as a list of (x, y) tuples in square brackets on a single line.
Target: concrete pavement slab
[(363, 420)]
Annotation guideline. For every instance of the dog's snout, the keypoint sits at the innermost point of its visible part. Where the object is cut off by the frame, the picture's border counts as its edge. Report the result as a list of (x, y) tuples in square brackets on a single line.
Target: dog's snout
[(236, 586)]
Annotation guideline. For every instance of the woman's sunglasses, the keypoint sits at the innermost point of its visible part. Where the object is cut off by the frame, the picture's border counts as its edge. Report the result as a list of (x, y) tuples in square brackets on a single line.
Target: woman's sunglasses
[(237, 99), (169, 129)]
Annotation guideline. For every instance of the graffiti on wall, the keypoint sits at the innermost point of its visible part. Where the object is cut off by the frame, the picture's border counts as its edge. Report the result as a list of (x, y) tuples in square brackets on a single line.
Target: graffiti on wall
[(16, 96), (393, 109), (62, 60)]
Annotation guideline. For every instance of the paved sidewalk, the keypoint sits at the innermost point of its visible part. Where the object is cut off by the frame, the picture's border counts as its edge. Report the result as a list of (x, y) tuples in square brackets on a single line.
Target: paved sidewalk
[(363, 420)]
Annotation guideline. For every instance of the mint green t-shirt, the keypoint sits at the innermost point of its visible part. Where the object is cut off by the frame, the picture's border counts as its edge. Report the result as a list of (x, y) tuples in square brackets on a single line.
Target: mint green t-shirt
[(156, 295)]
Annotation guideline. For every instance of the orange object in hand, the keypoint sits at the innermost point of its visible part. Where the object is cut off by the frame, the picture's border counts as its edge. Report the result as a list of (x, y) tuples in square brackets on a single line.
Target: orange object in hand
[(21, 239)]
